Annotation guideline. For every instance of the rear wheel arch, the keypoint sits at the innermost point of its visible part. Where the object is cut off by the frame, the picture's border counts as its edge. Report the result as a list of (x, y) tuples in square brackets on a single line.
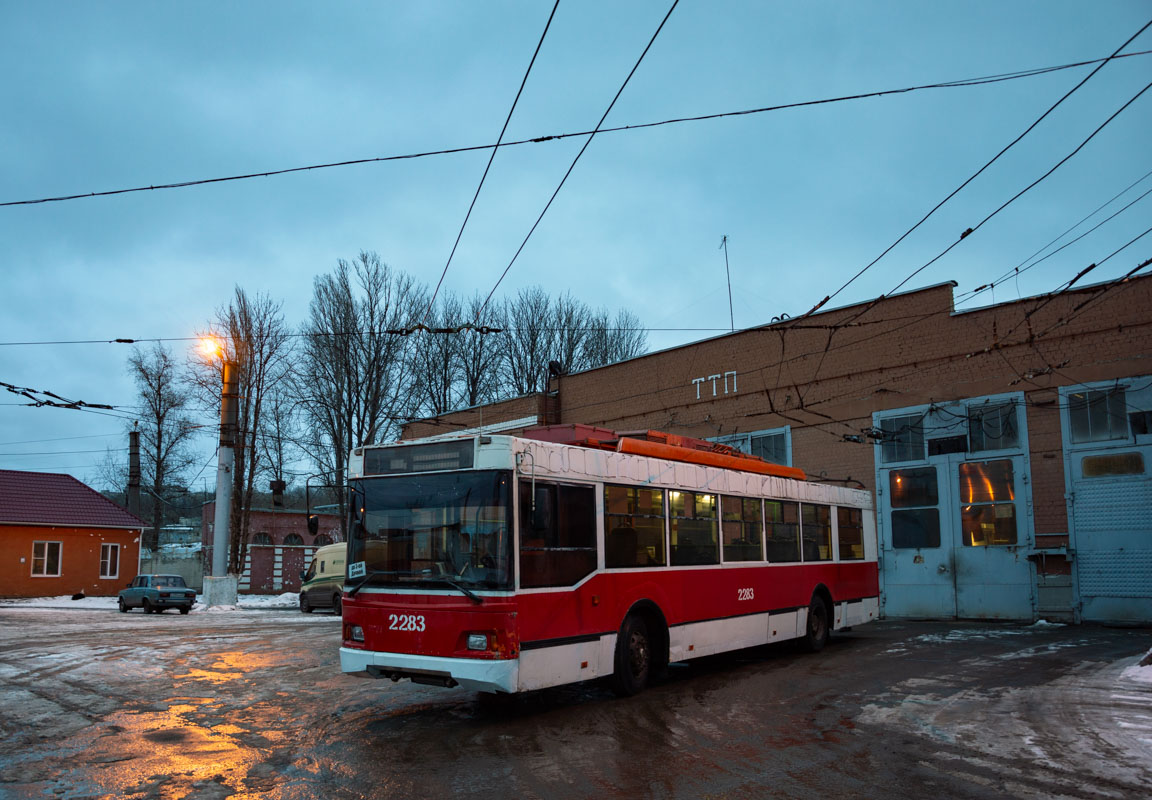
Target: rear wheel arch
[(657, 626)]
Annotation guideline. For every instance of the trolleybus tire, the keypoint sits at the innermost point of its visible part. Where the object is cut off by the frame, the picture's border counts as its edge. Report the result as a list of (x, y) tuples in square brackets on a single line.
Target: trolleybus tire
[(633, 660), (816, 630)]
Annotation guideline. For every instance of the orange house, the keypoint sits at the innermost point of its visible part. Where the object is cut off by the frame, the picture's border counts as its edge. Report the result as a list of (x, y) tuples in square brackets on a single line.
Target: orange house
[(60, 537)]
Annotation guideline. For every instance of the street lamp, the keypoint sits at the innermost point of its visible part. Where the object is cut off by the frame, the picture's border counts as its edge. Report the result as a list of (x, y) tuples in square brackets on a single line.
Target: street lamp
[(220, 588)]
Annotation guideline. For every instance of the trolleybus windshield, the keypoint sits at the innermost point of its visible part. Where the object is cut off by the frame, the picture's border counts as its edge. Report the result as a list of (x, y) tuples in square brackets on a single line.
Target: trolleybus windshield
[(433, 529)]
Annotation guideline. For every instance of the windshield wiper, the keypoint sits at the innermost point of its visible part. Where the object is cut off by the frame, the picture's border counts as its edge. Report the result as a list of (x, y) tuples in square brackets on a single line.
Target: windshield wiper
[(471, 595), (374, 573)]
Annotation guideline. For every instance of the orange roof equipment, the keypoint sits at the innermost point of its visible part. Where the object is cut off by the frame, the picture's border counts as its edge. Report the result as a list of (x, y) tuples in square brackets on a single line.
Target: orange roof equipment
[(657, 444)]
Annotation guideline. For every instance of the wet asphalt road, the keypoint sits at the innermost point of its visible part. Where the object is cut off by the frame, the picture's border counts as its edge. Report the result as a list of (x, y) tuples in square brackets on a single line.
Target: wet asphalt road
[(96, 704)]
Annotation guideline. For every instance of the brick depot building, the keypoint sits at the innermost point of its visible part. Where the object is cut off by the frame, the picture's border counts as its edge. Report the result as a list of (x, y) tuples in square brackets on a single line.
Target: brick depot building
[(279, 548), (60, 537), (1007, 447)]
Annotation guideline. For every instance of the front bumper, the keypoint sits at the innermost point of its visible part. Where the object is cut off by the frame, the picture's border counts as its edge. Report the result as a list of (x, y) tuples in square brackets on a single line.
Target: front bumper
[(481, 675)]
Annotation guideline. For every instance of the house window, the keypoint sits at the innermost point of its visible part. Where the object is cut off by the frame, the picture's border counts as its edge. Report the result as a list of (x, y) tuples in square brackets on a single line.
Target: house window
[(1098, 415), (903, 438), (992, 427), (109, 561), (261, 539), (293, 540), (46, 559), (322, 539)]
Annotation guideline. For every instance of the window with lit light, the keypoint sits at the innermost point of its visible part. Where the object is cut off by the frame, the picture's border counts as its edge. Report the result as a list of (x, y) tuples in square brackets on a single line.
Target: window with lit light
[(988, 503)]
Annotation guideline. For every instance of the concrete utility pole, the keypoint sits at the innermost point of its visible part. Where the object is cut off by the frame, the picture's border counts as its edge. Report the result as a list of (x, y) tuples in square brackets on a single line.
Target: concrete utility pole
[(220, 588), (132, 498)]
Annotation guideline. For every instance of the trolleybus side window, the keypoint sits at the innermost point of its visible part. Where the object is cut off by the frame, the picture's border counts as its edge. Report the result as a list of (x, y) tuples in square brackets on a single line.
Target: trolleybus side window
[(850, 533), (817, 532), (782, 521), (633, 526), (557, 534), (742, 525), (693, 516)]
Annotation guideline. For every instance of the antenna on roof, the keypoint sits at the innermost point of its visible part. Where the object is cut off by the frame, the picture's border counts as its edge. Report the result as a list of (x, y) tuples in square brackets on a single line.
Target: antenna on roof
[(724, 247)]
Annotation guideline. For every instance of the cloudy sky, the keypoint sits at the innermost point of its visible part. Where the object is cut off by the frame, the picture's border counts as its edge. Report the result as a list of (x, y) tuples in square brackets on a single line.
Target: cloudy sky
[(116, 95)]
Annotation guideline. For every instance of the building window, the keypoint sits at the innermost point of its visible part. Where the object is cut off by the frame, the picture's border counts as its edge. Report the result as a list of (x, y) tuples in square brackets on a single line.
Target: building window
[(988, 503), (261, 539), (903, 438), (293, 540), (1098, 415), (992, 427), (912, 527), (770, 445), (557, 534), (850, 533), (1118, 464), (322, 540), (46, 559), (109, 561), (633, 526)]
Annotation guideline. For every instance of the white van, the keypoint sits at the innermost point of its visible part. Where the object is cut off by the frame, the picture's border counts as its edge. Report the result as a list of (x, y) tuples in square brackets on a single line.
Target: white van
[(323, 581)]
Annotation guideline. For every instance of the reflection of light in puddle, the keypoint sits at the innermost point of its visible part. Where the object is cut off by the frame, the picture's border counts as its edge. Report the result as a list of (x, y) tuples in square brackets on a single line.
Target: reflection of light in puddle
[(243, 662), (226, 729), (163, 754), (211, 677)]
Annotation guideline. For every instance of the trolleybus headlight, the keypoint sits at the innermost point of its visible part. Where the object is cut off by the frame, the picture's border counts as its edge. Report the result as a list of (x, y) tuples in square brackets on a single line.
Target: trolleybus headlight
[(477, 641), (356, 633)]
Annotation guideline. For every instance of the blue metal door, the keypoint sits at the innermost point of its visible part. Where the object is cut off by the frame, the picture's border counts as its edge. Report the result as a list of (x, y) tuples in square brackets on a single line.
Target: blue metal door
[(992, 538), (954, 533), (1109, 503)]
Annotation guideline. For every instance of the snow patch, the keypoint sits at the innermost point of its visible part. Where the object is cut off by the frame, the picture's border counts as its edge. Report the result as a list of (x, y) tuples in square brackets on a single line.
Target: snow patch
[(1141, 671), (243, 602)]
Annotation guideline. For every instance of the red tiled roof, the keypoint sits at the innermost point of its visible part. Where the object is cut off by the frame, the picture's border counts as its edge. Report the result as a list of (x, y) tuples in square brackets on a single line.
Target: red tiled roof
[(45, 498)]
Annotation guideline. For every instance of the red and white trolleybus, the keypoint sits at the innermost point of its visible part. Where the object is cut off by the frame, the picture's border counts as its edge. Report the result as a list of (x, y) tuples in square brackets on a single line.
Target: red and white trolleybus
[(507, 564)]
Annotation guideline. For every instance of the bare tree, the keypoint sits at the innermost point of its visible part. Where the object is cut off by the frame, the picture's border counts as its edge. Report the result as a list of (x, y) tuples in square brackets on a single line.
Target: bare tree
[(166, 432), (435, 358), (480, 353), (569, 320), (353, 381), (612, 339), (527, 341), (254, 336)]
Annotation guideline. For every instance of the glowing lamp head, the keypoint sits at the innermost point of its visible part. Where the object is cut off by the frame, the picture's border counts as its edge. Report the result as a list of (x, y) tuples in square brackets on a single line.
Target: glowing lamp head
[(210, 347)]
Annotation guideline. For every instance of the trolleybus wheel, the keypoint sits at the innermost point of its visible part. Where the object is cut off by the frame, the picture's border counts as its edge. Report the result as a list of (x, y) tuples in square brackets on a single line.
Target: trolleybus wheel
[(633, 657), (816, 634)]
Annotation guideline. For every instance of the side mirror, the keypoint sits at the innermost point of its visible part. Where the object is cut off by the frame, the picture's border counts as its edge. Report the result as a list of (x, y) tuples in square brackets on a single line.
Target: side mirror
[(313, 524), (303, 575)]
